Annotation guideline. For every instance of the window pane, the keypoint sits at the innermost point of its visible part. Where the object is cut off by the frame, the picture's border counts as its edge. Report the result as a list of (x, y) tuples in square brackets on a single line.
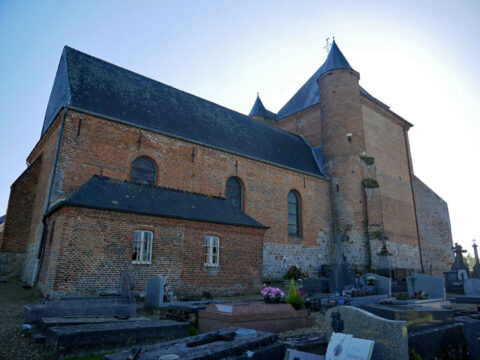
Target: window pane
[(143, 171), (292, 230), (234, 192), (292, 219)]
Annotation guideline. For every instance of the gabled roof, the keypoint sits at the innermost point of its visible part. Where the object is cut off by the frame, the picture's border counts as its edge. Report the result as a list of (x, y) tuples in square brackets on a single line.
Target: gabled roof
[(259, 110), (94, 86), (309, 93), (108, 194)]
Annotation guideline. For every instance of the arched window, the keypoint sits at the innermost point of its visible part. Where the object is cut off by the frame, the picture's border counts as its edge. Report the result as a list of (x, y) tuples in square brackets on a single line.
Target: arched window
[(143, 171), (293, 214), (234, 192)]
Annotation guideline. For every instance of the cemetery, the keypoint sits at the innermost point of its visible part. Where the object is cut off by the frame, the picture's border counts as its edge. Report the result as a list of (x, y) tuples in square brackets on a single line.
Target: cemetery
[(338, 314)]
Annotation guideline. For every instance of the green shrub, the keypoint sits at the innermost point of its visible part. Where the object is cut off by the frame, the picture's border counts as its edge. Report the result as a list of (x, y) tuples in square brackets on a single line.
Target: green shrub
[(370, 183), (368, 160), (294, 298), (192, 330)]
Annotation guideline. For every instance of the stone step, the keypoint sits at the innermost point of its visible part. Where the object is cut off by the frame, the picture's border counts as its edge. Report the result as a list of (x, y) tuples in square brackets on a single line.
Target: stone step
[(80, 307), (92, 337)]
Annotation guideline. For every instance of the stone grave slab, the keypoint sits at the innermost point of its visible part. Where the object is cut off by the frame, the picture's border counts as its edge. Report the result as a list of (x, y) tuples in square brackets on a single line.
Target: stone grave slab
[(312, 342), (432, 343), (189, 306), (434, 286), (44, 323), (471, 332), (417, 317), (471, 287), (215, 345), (390, 336), (254, 315), (77, 338), (155, 291), (80, 306)]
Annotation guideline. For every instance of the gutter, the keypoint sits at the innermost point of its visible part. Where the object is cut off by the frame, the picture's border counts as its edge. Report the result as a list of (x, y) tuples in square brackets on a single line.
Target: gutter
[(44, 230)]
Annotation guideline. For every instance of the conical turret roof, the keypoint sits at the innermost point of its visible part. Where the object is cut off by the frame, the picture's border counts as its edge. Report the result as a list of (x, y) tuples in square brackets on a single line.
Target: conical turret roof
[(309, 94), (259, 110)]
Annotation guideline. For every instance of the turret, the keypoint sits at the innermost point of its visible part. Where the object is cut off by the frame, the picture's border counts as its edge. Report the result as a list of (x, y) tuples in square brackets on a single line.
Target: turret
[(343, 143), (260, 113)]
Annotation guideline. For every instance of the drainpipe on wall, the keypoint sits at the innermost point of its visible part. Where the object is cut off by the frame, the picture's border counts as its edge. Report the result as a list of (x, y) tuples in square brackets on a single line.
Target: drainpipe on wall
[(407, 146), (41, 248)]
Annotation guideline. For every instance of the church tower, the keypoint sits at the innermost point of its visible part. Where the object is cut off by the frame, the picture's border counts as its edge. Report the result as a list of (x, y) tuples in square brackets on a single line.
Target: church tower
[(343, 141)]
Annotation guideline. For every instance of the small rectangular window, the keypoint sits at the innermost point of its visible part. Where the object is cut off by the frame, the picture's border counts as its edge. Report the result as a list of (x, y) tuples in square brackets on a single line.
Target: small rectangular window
[(212, 251), (142, 247)]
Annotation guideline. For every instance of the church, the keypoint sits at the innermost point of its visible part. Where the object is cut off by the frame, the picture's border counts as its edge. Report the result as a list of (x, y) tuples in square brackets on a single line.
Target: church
[(130, 173)]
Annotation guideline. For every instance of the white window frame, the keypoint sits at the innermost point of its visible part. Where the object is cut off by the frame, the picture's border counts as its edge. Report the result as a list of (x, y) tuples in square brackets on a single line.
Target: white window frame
[(142, 240), (211, 243)]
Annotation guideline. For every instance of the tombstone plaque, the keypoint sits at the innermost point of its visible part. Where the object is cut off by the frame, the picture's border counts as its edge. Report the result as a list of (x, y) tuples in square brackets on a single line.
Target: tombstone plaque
[(155, 291)]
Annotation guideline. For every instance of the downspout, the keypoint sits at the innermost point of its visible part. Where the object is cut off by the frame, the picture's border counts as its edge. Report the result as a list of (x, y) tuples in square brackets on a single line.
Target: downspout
[(413, 198), (41, 249)]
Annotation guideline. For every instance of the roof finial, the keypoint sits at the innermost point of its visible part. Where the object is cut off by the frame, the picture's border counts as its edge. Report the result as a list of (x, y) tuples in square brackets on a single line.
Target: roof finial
[(327, 44), (258, 94)]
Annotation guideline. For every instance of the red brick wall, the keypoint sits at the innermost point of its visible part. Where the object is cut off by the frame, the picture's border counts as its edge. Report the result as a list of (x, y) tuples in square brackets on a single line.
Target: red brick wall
[(108, 147), (306, 122), (90, 248), (385, 141), (20, 210)]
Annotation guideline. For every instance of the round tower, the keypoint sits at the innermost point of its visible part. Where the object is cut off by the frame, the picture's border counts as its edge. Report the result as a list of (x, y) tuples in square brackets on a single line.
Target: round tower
[(343, 143)]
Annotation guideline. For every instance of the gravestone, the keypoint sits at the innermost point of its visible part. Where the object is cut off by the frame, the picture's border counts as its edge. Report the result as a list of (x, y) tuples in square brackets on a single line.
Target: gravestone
[(472, 287), (382, 283), (155, 291), (384, 258), (391, 337), (314, 286), (476, 267), (126, 285), (340, 275), (432, 285)]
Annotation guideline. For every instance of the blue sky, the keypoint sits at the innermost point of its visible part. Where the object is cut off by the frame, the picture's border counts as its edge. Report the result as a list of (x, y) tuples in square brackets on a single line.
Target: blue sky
[(419, 57)]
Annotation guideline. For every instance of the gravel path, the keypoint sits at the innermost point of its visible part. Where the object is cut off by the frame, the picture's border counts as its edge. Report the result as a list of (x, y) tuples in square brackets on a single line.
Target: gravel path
[(12, 345)]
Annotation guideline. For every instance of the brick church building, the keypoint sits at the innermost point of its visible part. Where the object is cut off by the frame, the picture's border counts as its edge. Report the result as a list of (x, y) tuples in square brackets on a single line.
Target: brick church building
[(132, 173)]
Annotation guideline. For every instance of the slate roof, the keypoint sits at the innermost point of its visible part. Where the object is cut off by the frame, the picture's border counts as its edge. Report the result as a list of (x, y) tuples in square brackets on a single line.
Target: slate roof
[(108, 194), (259, 110), (94, 86), (309, 93)]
